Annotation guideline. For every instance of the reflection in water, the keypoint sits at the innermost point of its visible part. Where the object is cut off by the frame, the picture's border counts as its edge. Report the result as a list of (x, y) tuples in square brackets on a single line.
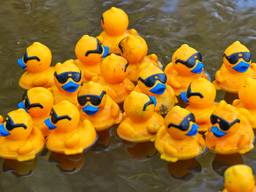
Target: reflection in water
[(68, 163), (222, 162), (19, 168), (140, 150), (184, 169)]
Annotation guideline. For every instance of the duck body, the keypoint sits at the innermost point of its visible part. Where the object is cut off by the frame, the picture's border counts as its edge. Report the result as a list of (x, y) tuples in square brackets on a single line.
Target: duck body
[(141, 122), (20, 143), (181, 143), (68, 134), (230, 132), (36, 64)]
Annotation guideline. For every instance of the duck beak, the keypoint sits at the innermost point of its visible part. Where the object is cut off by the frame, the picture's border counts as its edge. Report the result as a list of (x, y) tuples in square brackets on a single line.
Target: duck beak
[(21, 63), (70, 87), (241, 67), (21, 105), (90, 110), (105, 51), (193, 130), (3, 131), (198, 68), (183, 96), (49, 124), (158, 89), (217, 132)]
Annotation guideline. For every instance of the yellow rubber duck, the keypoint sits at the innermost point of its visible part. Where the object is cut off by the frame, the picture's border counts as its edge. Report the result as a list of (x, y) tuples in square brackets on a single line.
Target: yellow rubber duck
[(67, 81), (114, 23), (236, 67), (38, 102), (141, 122), (36, 63), (98, 107), (152, 81), (89, 52), (114, 77), (135, 49), (185, 66), (200, 97), (179, 138), (230, 132), (68, 134), (246, 104), (19, 139), (239, 178)]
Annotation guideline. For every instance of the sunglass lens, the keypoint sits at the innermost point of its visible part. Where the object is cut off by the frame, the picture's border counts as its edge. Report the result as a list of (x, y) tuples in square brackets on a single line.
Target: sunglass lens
[(247, 56), (95, 100), (150, 81), (81, 100), (76, 76), (191, 62), (233, 58), (162, 78)]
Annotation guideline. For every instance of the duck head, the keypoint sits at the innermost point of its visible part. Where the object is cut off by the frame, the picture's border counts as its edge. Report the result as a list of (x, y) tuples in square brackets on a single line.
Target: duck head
[(139, 106), (186, 60), (200, 93), (90, 51), (67, 76), (37, 101), (180, 123), (237, 57), (152, 80), (64, 117), (134, 48), (114, 68), (91, 97), (114, 21), (239, 178), (225, 120), (37, 58), (17, 125), (247, 93)]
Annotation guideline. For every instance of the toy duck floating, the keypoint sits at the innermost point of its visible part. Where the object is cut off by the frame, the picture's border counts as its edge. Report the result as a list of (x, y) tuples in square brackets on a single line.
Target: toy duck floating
[(186, 65), (98, 107), (246, 104), (114, 77), (67, 81), (236, 67), (36, 63), (179, 139), (200, 97), (239, 178), (68, 135), (152, 81), (89, 52), (230, 132), (135, 49), (38, 102), (141, 122), (20, 140), (114, 23)]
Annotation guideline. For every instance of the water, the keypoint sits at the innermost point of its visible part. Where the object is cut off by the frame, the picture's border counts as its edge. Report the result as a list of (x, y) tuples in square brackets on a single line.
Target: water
[(209, 26)]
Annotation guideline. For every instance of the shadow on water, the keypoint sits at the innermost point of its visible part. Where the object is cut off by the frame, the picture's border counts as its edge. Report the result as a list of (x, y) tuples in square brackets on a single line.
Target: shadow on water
[(209, 26)]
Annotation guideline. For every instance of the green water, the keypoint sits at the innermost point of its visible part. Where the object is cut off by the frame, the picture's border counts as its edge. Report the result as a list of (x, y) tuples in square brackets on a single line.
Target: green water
[(209, 26)]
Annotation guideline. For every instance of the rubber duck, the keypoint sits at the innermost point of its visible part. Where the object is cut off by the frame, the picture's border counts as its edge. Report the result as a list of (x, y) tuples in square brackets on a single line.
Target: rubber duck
[(200, 97), (141, 122), (98, 107), (135, 49), (114, 23), (246, 103), (89, 52), (179, 138), (114, 77), (152, 82), (185, 66), (38, 102), (19, 139), (36, 63), (68, 135), (239, 178), (230, 132), (237, 66), (67, 81)]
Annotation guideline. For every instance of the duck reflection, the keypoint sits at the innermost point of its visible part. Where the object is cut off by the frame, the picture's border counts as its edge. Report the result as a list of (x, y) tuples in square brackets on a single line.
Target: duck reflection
[(19, 168)]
